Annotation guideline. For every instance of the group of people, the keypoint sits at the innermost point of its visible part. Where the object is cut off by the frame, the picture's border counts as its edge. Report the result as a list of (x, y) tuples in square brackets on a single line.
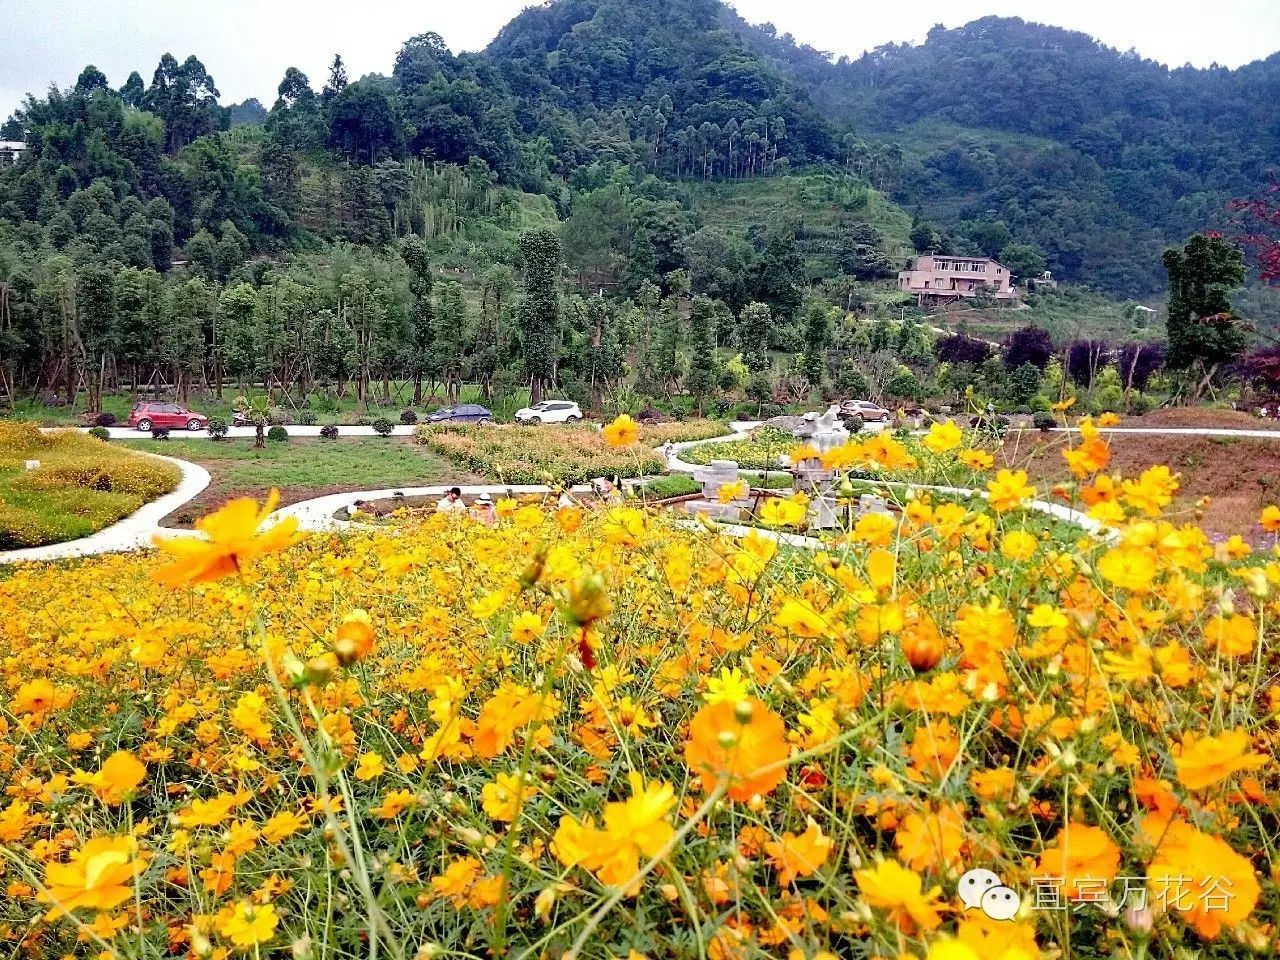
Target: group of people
[(482, 509), (607, 490)]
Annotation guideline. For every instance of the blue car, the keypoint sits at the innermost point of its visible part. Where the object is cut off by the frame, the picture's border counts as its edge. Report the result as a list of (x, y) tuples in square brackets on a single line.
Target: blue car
[(464, 413)]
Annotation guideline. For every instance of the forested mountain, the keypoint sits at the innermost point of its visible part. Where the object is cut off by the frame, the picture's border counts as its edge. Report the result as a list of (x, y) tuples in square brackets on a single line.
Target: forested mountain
[(675, 151), (1100, 157)]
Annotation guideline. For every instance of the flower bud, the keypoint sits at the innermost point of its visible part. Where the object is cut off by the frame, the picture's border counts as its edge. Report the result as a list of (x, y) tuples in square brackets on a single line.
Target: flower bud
[(742, 711)]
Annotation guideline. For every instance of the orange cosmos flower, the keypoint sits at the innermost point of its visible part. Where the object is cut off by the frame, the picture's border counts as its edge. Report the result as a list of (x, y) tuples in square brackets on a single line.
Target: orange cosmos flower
[(99, 876), (1270, 519), (799, 856), (745, 742), (119, 776), (1079, 857), (622, 432), (1200, 877), (231, 536), (1205, 761)]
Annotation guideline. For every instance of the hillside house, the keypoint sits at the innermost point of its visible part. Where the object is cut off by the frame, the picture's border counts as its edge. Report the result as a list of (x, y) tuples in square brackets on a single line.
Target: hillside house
[(10, 151), (939, 278)]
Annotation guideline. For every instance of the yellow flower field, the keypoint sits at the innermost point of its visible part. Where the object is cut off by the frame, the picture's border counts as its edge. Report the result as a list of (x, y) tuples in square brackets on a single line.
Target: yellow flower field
[(604, 734)]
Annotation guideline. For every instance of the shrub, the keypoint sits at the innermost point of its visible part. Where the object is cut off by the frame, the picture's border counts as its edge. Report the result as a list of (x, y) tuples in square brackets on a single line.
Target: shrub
[(383, 427), (307, 418), (277, 416), (853, 423), (105, 419), (99, 433), (408, 418), (1044, 421), (159, 433), (329, 431), (278, 434), (218, 429), (1140, 403)]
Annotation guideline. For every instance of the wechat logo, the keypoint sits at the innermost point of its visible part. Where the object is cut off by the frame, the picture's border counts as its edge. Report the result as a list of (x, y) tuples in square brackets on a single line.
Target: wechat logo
[(984, 890)]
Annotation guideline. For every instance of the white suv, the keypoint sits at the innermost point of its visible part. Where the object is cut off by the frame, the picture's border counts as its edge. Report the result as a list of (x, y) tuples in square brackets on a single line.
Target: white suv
[(550, 411)]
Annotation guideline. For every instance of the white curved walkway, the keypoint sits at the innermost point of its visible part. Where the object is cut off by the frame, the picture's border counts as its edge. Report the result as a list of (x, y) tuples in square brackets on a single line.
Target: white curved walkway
[(319, 513)]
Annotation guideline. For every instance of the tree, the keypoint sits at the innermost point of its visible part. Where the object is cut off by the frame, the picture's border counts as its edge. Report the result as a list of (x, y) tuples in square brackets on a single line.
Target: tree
[(96, 326), (337, 81), (133, 90), (817, 340), (1023, 260), (449, 339), (777, 278), (700, 380), (925, 237), (960, 348), (1204, 332), (1024, 384), (417, 257), (539, 313), (1084, 359), (1136, 362), (1031, 345), (753, 334), (363, 122)]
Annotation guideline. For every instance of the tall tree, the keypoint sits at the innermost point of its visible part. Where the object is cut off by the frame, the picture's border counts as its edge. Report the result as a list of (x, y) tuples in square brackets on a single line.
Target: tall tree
[(754, 336), (1204, 332), (539, 313), (417, 257), (700, 381), (817, 340)]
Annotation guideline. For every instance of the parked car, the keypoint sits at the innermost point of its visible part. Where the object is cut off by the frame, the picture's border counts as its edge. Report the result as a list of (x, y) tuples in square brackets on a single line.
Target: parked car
[(148, 414), (550, 411), (464, 413), (868, 411)]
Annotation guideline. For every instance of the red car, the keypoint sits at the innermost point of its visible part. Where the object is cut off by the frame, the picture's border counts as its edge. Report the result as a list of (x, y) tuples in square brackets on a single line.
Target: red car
[(150, 414)]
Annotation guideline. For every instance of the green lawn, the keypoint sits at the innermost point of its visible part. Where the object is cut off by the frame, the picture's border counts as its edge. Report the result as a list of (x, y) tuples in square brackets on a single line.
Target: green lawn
[(303, 468)]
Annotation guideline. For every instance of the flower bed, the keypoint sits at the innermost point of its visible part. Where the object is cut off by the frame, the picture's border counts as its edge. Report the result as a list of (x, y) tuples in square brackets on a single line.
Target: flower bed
[(547, 454), (588, 733), (82, 485)]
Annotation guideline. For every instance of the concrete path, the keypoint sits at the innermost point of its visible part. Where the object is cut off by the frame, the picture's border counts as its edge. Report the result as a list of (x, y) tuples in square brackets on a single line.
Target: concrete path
[(319, 514), (135, 531)]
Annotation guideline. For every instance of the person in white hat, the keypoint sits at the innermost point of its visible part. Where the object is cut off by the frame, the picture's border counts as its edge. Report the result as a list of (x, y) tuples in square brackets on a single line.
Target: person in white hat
[(483, 510)]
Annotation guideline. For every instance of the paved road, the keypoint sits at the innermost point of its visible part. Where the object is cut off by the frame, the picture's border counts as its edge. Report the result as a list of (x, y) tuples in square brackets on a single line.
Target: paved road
[(295, 430)]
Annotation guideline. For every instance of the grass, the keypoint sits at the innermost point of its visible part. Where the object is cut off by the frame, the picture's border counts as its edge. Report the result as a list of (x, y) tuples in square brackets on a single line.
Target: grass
[(308, 462), (81, 486)]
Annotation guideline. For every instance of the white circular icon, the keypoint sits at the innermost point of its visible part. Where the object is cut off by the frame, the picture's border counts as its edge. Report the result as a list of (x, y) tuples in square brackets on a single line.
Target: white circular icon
[(1001, 903), (975, 884)]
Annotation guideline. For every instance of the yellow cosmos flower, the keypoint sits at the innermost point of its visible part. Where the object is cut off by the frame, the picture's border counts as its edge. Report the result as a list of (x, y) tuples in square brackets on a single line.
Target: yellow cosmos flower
[(1203, 762), (99, 876), (622, 432), (891, 887), (232, 536), (248, 924), (1009, 490), (943, 437)]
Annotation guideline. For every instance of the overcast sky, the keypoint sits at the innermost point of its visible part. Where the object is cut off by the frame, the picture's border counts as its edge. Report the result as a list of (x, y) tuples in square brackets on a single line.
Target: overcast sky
[(247, 44)]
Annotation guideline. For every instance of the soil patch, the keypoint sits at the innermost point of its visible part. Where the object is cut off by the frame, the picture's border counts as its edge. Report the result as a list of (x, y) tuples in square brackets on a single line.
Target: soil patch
[(1240, 475)]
